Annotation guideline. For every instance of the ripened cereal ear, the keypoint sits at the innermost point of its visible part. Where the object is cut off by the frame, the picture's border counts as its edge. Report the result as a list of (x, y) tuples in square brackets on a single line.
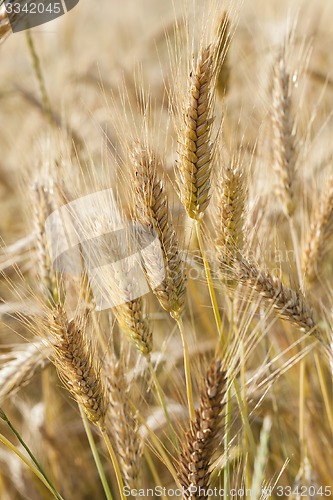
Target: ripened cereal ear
[(194, 162), (201, 440)]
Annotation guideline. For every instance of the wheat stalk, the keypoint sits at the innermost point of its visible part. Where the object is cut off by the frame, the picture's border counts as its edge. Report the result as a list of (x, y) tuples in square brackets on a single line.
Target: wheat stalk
[(200, 441), (152, 211)]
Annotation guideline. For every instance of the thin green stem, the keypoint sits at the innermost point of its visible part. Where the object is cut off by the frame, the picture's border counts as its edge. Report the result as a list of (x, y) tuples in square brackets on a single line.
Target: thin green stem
[(40, 78), (161, 398), (115, 463), (95, 454), (187, 367), (31, 466), (27, 449)]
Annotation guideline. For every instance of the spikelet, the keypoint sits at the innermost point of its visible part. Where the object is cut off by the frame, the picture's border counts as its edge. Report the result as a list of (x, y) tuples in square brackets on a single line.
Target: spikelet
[(320, 230), (194, 138), (135, 324), (284, 154), (152, 211), (75, 360), (200, 441)]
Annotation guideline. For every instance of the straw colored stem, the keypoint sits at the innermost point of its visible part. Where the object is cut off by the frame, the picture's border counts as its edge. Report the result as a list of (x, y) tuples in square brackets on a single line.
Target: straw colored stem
[(326, 396), (209, 282), (95, 454), (226, 472), (115, 463), (40, 476), (31, 455), (160, 449), (161, 398), (187, 366)]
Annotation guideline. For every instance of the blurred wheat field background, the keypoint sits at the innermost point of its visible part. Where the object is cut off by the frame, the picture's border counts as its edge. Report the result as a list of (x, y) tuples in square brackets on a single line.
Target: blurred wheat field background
[(208, 126)]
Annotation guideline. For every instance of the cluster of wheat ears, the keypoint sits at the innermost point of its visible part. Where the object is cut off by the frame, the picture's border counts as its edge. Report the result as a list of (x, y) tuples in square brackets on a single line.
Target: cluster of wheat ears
[(221, 375)]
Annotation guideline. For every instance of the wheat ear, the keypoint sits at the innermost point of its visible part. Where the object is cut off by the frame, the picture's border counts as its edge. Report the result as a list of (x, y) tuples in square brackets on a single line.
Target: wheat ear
[(75, 360), (320, 230), (135, 325), (194, 139), (124, 424), (152, 211), (229, 222), (200, 441), (284, 155), (289, 304), (21, 365), (223, 69), (44, 205)]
